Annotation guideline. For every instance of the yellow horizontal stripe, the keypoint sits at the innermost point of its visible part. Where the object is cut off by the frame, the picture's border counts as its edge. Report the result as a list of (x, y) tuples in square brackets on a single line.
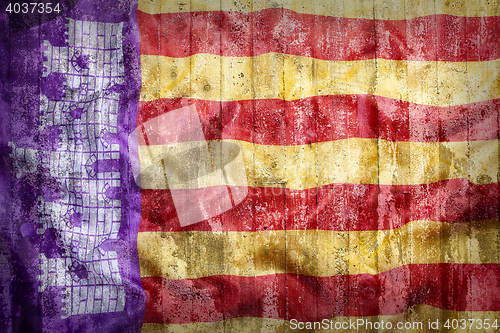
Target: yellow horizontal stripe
[(379, 9), (195, 254), (417, 313), (241, 325), (290, 77), (353, 161)]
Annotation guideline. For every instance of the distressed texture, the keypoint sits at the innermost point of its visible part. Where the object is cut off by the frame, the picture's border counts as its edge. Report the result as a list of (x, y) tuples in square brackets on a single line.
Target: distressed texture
[(424, 38), (368, 133), (289, 77), (380, 9), (351, 161), (315, 252), (69, 83), (414, 315)]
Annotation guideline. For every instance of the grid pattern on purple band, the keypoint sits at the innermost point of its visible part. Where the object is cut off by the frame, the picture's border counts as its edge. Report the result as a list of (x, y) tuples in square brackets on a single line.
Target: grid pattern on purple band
[(81, 107)]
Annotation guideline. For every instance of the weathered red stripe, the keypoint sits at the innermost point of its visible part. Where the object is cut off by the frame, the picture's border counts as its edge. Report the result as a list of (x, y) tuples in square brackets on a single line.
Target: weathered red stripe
[(428, 38), (342, 207), (456, 287), (328, 118)]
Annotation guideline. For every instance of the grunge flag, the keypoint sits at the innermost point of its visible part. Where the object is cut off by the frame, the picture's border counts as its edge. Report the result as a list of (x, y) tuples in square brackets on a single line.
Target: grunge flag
[(329, 163), (249, 166), (69, 206)]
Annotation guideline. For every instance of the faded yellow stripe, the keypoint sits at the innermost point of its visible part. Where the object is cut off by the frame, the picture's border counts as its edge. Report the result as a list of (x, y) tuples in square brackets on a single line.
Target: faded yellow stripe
[(241, 324), (195, 254), (379, 9), (353, 161), (417, 313), (290, 77)]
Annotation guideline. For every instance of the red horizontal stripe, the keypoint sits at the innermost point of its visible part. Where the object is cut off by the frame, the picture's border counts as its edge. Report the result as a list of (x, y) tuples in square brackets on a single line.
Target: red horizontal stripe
[(429, 38), (328, 118), (342, 207), (456, 287)]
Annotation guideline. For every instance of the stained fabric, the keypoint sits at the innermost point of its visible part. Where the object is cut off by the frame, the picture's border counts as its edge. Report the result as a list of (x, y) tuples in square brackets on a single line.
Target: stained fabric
[(250, 166), (368, 183), (70, 85)]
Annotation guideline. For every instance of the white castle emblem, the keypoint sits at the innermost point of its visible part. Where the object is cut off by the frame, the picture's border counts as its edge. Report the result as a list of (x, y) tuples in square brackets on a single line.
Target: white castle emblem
[(85, 164)]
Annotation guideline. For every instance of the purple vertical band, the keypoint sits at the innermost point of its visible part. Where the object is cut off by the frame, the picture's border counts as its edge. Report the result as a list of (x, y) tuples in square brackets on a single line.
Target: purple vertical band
[(69, 205)]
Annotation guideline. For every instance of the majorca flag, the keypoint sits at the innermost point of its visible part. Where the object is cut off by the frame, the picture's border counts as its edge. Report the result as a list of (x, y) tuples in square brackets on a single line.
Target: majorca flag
[(324, 165)]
